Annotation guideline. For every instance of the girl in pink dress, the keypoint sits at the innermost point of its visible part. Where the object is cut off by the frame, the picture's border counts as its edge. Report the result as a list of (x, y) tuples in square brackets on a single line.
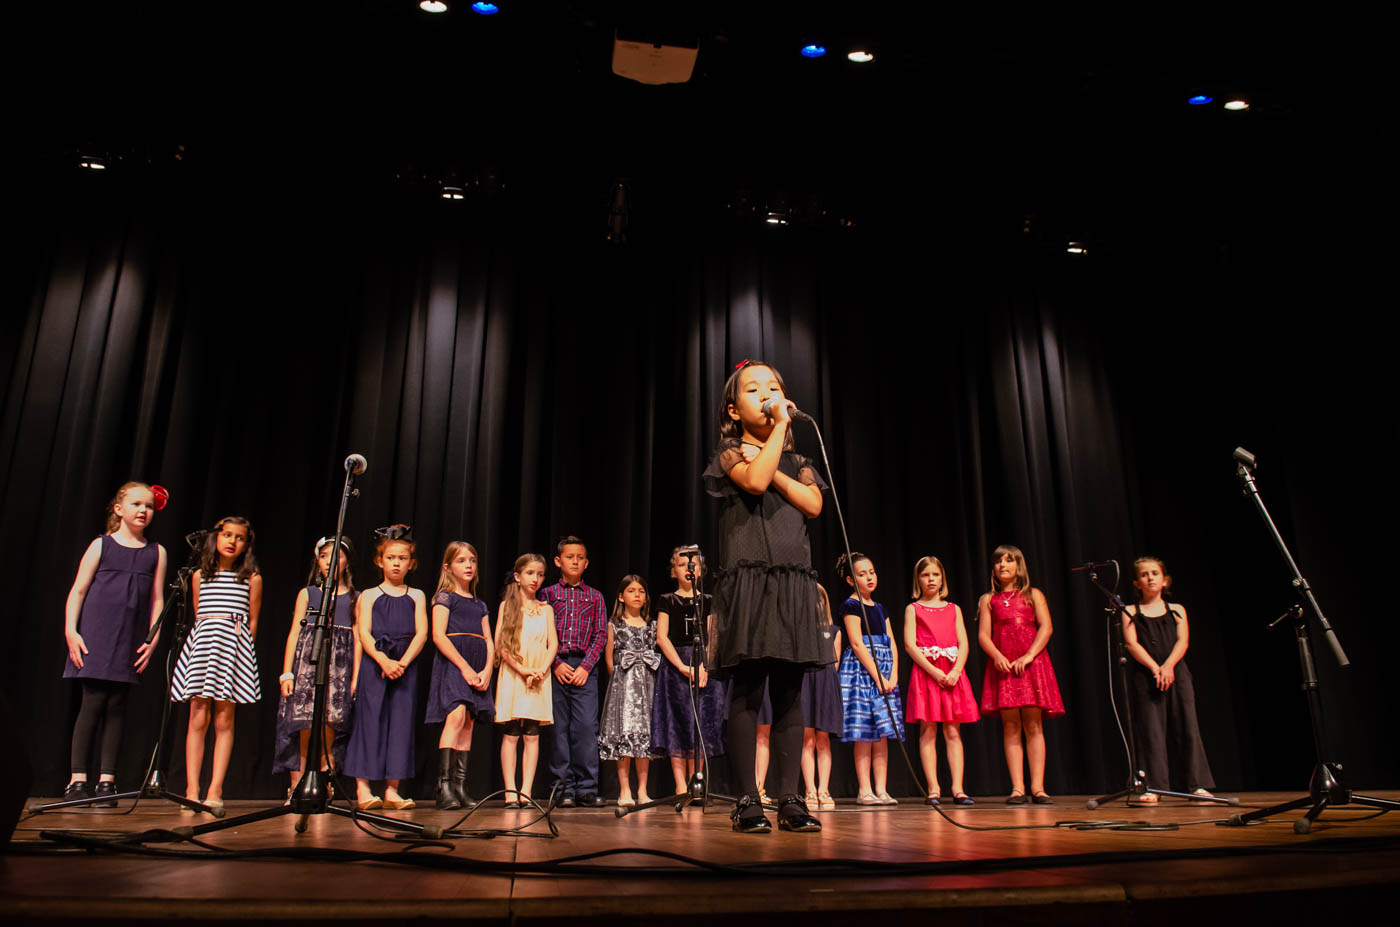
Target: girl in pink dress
[(936, 640), (1013, 628)]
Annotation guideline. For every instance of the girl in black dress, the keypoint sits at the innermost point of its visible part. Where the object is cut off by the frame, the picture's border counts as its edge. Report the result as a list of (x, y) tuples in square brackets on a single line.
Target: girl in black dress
[(1164, 696), (767, 613)]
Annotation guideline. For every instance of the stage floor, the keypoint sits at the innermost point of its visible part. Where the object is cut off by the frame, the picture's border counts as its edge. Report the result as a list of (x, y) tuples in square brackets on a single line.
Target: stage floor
[(907, 864)]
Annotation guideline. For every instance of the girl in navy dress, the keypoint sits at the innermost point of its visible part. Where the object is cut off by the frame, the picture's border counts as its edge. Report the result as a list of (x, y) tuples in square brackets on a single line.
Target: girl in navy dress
[(459, 695), (298, 679), (218, 666), (869, 670), (672, 722), (392, 623), (822, 716), (116, 596), (767, 615)]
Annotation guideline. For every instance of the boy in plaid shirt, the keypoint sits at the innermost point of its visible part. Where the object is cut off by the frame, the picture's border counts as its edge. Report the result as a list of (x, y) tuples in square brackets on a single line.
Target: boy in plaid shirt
[(581, 619)]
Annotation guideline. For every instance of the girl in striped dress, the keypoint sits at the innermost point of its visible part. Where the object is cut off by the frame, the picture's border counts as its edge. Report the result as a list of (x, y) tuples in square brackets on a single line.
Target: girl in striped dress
[(217, 664)]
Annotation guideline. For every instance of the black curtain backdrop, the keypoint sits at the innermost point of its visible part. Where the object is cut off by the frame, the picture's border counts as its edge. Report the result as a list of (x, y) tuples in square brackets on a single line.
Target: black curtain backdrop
[(512, 378)]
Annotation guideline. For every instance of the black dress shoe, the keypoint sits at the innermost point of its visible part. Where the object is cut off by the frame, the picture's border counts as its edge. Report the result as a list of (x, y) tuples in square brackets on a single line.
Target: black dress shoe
[(1042, 799), (747, 816), (566, 802), (76, 790), (105, 789), (589, 800), (1017, 799), (793, 816)]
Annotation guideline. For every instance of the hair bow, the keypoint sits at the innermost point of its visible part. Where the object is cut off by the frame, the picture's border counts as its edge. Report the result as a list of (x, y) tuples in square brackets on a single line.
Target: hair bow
[(395, 532)]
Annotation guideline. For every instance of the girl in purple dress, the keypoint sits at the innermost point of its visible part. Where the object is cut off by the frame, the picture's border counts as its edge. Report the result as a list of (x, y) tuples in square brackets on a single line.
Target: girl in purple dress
[(1013, 628), (392, 623), (116, 596), (459, 694)]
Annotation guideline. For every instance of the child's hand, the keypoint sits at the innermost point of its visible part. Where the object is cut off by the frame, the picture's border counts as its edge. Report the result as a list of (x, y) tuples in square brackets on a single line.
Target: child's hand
[(1002, 664), (143, 654), (353, 686), (704, 676), (1166, 675), (891, 685), (749, 451), (1019, 665), (287, 687), (469, 677), (564, 673), (580, 675), (951, 677), (76, 647)]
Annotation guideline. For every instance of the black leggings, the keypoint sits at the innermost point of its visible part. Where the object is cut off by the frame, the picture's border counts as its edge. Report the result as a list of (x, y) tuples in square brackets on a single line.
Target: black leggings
[(104, 704), (746, 696)]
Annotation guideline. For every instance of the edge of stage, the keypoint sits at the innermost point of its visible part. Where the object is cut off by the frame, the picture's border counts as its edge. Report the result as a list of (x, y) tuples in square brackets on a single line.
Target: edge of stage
[(901, 864)]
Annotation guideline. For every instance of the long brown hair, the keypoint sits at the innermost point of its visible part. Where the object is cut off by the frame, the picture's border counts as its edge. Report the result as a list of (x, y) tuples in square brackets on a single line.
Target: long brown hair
[(511, 612), (1023, 575), (619, 611), (113, 520), (728, 427), (445, 581), (246, 564)]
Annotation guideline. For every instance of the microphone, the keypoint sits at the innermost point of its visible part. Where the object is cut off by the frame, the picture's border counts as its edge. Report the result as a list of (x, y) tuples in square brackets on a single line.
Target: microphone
[(767, 409), (1086, 567), (1245, 457), (356, 464), (196, 538)]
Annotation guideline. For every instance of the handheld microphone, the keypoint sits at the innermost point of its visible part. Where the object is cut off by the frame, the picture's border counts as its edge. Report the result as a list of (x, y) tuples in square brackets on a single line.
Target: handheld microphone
[(1086, 567), (356, 464), (767, 409), (1245, 457)]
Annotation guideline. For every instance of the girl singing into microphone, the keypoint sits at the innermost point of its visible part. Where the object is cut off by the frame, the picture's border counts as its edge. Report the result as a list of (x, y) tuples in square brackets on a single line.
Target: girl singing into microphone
[(767, 616)]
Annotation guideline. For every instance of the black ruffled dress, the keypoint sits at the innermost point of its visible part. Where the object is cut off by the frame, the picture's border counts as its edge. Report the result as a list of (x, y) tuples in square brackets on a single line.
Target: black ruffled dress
[(766, 603)]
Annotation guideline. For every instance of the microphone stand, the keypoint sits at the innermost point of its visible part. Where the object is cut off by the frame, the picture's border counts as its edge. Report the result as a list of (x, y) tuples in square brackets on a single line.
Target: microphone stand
[(155, 782), (1137, 785), (697, 788), (1327, 788), (313, 794)]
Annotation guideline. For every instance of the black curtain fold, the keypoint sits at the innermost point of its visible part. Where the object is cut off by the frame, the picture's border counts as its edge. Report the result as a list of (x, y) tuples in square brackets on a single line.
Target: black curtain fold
[(511, 380)]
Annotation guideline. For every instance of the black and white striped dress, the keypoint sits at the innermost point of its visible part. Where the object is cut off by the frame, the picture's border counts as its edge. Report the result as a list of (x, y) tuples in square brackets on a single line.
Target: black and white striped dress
[(218, 661)]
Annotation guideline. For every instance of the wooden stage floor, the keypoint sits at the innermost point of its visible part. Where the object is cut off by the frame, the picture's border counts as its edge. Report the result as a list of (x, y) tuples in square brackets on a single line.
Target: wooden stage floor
[(907, 864)]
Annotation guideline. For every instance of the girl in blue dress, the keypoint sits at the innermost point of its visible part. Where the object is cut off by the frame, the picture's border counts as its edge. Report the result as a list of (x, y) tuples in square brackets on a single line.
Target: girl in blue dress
[(392, 624), (459, 694)]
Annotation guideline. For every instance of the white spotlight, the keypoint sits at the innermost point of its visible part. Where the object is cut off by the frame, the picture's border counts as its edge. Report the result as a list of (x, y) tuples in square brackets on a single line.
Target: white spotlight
[(860, 56), (1237, 106), (433, 6)]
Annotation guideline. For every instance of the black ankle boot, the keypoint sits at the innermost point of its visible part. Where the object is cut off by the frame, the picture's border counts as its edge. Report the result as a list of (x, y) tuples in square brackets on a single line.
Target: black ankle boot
[(747, 816), (793, 816), (446, 798), (459, 778)]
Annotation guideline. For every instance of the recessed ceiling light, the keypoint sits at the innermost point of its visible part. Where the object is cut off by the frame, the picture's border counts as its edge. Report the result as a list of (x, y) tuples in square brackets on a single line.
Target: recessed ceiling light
[(813, 51), (432, 6), (1200, 99), (1237, 106), (861, 57)]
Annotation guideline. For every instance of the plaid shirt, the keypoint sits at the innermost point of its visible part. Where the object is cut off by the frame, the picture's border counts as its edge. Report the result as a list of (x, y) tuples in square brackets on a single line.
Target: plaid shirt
[(581, 618)]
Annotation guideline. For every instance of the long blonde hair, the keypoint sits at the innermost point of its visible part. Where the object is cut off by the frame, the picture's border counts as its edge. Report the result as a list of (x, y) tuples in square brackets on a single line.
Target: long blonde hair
[(445, 581), (113, 519), (511, 612)]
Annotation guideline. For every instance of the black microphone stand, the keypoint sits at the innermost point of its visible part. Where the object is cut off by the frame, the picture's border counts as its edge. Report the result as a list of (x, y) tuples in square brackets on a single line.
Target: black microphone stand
[(698, 786), (1327, 788), (1137, 784), (312, 794), (155, 782)]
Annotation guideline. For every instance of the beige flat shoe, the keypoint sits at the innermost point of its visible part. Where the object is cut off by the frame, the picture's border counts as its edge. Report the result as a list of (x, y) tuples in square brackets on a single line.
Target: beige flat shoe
[(825, 802)]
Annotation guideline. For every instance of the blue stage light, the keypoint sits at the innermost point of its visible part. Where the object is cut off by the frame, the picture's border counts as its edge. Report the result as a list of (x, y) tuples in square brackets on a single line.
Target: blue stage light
[(485, 9), (1200, 99), (813, 51)]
